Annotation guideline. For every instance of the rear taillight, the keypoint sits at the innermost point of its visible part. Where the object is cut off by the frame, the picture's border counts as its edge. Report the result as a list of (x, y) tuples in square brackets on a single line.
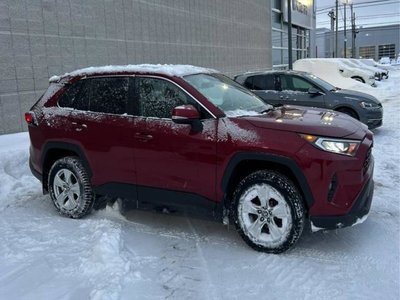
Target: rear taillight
[(30, 118)]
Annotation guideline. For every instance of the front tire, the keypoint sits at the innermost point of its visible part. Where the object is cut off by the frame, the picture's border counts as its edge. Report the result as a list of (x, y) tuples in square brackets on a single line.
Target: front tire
[(349, 112), (268, 211), (70, 188)]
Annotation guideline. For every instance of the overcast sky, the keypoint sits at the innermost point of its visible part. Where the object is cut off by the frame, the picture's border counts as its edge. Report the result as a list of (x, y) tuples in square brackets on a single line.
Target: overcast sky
[(368, 12)]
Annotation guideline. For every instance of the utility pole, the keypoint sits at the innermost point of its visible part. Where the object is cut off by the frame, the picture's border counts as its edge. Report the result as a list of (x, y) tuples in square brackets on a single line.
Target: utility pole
[(353, 32), (345, 36), (331, 14), (289, 2), (337, 28)]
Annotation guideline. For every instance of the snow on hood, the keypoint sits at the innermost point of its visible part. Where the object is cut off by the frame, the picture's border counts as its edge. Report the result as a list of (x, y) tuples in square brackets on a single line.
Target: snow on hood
[(310, 120), (170, 70)]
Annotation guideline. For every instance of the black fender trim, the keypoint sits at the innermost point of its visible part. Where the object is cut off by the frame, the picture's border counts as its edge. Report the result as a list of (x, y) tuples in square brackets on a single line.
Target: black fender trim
[(69, 147), (276, 159), (34, 172)]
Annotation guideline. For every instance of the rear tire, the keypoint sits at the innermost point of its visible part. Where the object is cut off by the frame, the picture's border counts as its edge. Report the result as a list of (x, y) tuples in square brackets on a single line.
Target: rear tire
[(268, 211), (70, 188)]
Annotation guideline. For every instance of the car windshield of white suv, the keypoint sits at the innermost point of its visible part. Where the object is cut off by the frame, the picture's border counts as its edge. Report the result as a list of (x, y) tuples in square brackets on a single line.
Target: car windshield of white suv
[(326, 85), (230, 97)]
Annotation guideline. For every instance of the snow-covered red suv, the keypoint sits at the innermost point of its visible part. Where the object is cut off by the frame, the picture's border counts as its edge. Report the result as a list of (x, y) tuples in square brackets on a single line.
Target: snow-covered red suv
[(191, 139)]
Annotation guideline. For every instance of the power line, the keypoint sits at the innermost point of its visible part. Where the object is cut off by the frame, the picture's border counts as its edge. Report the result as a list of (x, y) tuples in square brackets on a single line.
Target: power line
[(375, 16), (362, 5), (360, 27)]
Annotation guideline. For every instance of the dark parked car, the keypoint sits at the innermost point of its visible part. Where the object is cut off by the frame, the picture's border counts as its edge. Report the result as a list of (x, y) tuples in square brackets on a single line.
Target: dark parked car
[(301, 88), (188, 138)]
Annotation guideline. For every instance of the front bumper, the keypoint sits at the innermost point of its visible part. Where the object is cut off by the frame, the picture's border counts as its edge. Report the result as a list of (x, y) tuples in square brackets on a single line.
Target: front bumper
[(373, 118), (356, 215)]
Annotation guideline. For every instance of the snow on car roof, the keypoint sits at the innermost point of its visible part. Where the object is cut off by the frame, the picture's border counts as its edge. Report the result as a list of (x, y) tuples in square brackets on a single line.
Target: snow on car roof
[(170, 70)]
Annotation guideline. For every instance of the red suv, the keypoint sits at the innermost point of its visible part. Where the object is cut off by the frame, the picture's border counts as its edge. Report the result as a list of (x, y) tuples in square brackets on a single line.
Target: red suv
[(191, 139)]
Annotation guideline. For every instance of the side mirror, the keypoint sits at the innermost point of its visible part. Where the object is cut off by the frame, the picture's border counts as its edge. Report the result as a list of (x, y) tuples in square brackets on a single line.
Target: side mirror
[(187, 114), (314, 91)]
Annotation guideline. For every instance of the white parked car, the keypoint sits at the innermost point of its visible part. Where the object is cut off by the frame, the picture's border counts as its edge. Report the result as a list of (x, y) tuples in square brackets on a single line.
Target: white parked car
[(385, 60), (372, 63), (352, 64), (327, 67), (379, 72)]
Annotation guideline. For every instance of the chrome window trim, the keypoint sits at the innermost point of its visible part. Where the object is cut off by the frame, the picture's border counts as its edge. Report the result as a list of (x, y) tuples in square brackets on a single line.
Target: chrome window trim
[(137, 75)]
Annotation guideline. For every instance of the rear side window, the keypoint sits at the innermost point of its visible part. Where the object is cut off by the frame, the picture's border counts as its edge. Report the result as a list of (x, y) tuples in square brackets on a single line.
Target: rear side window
[(105, 95), (248, 83), (262, 82), (109, 95), (76, 96), (68, 98), (158, 97)]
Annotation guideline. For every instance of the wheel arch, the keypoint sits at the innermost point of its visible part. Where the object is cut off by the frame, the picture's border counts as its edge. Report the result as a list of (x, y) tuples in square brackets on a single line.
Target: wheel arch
[(242, 164), (53, 151), (347, 107), (355, 77)]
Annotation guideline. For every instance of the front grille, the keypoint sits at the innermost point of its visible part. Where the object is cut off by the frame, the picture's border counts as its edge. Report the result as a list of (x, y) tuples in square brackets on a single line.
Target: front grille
[(367, 161)]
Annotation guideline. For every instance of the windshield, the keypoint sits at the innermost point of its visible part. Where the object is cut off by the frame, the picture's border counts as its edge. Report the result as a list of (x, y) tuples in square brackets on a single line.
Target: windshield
[(349, 63), (230, 97), (321, 82)]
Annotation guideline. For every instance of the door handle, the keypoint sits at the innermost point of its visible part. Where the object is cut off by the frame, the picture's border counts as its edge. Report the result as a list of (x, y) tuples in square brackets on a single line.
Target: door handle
[(79, 126), (286, 98), (143, 136)]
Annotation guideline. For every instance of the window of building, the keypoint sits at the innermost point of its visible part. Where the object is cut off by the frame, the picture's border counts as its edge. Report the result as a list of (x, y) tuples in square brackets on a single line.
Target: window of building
[(387, 50), (367, 52)]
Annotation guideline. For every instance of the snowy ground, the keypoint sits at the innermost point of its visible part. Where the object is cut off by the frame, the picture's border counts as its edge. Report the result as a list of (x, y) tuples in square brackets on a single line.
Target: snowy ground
[(143, 255)]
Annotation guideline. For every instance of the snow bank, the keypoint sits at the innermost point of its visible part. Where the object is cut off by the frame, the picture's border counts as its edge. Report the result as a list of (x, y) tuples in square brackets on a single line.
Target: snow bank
[(170, 70)]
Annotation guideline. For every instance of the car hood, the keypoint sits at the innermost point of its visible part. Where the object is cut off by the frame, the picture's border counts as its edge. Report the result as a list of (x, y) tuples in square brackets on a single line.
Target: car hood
[(354, 95), (310, 120)]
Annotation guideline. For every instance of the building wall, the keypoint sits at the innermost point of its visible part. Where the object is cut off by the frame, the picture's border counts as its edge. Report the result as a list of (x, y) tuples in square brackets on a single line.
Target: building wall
[(41, 38), (369, 36)]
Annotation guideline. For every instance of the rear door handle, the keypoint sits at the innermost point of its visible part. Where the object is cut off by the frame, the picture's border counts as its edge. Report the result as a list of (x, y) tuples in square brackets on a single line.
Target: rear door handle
[(79, 126), (143, 136)]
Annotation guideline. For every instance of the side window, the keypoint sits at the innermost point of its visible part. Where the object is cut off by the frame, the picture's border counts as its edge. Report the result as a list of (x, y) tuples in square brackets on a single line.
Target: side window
[(301, 85), (264, 82), (259, 82), (109, 95), (158, 97), (248, 83), (285, 82), (76, 96)]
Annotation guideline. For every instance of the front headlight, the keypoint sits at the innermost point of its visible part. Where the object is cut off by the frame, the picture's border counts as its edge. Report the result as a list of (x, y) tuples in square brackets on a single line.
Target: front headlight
[(364, 104), (339, 146)]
